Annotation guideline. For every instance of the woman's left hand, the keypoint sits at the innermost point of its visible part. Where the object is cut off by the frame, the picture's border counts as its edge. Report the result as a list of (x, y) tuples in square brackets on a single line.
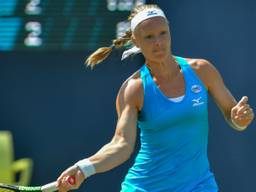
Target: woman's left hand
[(242, 114)]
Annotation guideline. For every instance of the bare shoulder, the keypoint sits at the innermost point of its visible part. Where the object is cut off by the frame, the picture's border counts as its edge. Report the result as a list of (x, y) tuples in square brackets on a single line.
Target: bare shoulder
[(205, 70), (200, 64), (130, 93)]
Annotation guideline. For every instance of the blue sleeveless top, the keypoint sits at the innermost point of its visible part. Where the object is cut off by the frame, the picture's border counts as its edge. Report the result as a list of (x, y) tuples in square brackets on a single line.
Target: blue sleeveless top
[(174, 138)]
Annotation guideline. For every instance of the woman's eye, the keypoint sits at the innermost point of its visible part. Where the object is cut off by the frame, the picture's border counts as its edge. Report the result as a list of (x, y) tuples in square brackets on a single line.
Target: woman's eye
[(148, 36), (163, 33)]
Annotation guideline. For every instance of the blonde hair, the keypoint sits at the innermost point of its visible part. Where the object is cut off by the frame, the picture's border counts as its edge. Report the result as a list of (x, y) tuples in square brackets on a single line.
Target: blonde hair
[(102, 53)]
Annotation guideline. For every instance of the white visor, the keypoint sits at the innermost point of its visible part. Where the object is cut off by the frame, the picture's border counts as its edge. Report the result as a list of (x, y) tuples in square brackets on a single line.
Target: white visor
[(146, 14)]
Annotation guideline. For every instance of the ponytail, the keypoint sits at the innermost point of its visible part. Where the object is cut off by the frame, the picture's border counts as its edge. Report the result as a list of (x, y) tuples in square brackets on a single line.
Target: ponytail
[(98, 56), (102, 53)]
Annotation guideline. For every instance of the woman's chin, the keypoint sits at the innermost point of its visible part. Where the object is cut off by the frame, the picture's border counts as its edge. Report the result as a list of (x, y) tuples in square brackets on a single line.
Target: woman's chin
[(159, 56)]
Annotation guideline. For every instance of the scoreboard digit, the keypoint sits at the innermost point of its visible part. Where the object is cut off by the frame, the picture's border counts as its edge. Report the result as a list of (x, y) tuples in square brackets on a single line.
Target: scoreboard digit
[(62, 25)]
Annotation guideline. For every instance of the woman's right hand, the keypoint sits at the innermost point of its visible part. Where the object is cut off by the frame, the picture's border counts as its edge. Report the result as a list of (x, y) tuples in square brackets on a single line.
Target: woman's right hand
[(63, 182)]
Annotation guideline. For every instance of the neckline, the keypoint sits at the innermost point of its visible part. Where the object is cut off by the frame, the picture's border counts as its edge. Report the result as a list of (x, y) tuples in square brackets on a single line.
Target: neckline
[(160, 92)]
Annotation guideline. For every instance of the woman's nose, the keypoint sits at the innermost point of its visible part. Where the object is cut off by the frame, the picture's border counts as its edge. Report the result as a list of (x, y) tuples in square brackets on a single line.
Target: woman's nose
[(157, 41)]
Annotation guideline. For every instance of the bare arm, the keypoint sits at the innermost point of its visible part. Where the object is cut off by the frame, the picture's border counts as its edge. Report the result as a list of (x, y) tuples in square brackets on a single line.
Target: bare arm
[(121, 146), (237, 114), (119, 149)]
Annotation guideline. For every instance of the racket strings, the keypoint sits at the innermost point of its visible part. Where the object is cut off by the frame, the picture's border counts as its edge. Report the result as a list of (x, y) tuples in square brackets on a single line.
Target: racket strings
[(10, 188), (50, 187)]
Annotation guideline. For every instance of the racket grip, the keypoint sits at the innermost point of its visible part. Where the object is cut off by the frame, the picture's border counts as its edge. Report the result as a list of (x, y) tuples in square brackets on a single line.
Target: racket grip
[(50, 187)]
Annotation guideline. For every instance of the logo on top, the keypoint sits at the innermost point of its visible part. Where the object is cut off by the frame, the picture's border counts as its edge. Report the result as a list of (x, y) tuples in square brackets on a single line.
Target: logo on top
[(152, 12), (197, 102), (196, 88)]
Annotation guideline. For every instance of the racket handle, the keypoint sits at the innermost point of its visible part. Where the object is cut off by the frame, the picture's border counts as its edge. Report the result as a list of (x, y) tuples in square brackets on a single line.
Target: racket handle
[(50, 187)]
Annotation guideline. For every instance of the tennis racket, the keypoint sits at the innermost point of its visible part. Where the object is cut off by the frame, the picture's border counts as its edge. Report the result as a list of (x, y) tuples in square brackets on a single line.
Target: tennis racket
[(50, 187)]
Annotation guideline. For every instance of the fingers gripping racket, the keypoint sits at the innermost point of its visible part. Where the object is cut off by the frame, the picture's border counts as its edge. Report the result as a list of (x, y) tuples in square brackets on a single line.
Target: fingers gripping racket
[(50, 187)]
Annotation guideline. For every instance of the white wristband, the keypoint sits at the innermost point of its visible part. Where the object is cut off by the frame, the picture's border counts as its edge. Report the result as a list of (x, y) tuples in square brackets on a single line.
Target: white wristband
[(86, 167), (238, 126)]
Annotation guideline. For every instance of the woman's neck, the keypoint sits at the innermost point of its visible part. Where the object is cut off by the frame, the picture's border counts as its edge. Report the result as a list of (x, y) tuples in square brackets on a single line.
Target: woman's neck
[(165, 70)]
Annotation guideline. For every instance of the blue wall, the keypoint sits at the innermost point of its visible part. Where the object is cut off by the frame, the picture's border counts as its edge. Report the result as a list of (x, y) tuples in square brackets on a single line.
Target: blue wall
[(60, 113)]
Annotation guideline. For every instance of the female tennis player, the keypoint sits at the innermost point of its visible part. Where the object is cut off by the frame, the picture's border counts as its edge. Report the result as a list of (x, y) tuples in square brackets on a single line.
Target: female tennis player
[(167, 100)]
